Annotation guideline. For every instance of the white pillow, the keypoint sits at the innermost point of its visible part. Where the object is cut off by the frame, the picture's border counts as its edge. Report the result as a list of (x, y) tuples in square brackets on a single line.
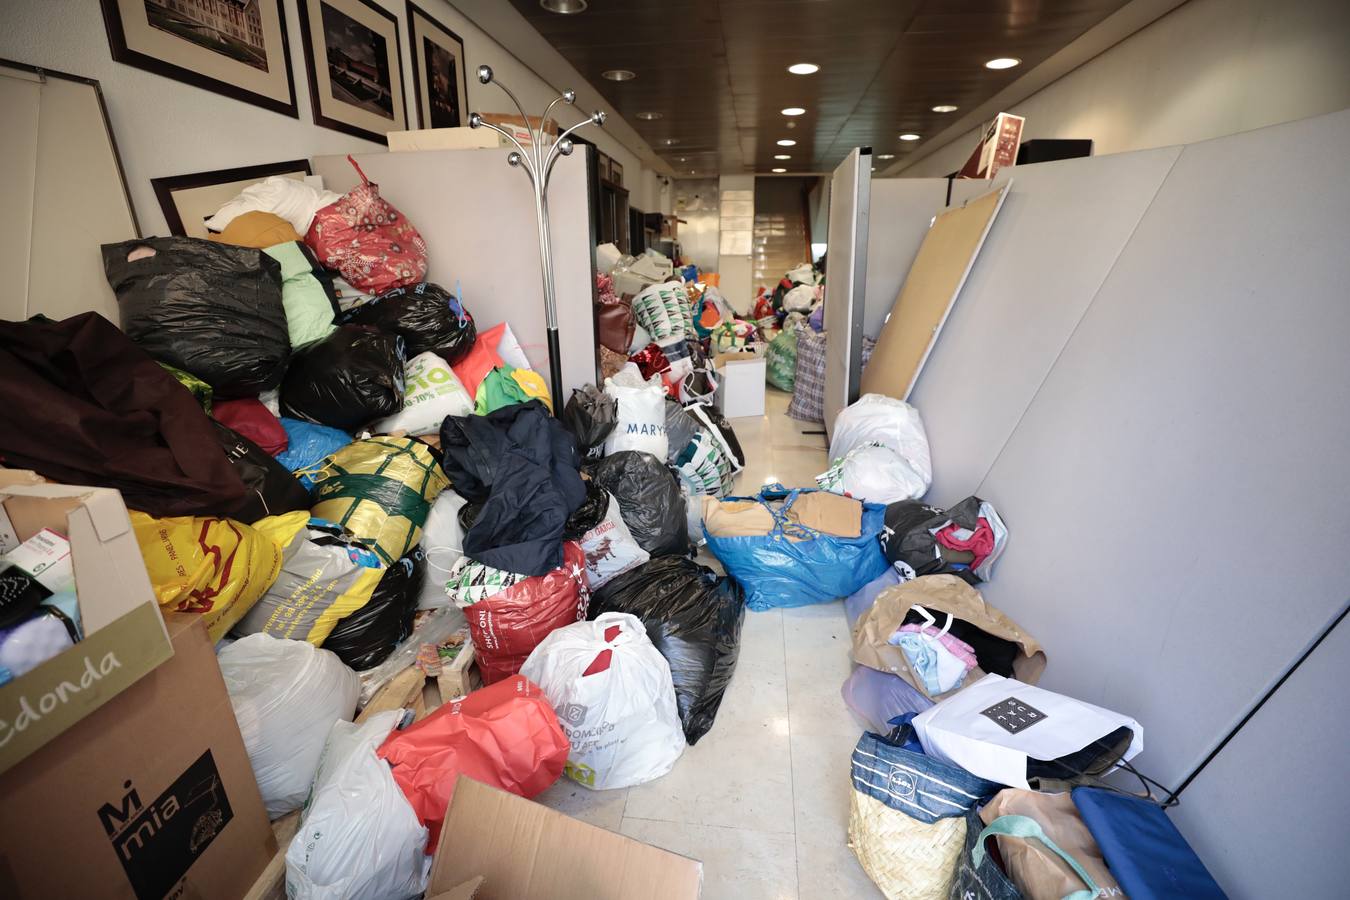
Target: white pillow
[(290, 198)]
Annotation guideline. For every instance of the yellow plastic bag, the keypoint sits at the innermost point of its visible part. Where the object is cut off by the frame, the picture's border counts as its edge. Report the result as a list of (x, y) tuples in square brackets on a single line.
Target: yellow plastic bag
[(379, 489), (532, 383), (212, 566)]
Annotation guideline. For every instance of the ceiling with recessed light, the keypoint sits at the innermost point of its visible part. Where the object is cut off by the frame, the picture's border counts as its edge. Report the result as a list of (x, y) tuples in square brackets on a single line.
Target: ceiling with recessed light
[(714, 73)]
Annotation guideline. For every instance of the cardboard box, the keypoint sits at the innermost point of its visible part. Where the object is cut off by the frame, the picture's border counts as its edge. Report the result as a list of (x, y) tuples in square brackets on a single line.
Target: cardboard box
[(150, 796), (740, 386), (125, 637), (523, 850)]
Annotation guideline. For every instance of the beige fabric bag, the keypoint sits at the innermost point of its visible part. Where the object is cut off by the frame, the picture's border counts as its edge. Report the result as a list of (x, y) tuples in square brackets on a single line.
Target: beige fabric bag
[(938, 594), (1038, 872)]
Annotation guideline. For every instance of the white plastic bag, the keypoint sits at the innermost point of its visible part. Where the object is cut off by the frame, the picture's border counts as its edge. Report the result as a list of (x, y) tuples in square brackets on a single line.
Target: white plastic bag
[(876, 473), (641, 415), (443, 544), (359, 838), (621, 718), (800, 299), (876, 418), (431, 391), (290, 198), (610, 549), (286, 695), (991, 728)]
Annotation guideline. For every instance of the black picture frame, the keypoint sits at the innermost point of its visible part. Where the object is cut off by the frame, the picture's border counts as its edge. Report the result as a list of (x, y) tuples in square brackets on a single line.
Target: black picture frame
[(166, 186), (121, 52), (316, 102), (419, 74)]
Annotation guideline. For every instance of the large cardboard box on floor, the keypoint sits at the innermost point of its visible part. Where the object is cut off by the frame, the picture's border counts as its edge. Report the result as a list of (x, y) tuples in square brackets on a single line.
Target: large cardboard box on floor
[(124, 634), (497, 846), (150, 796)]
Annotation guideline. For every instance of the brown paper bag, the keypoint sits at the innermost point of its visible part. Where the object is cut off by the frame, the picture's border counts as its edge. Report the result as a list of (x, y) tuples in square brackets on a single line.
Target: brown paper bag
[(1037, 871)]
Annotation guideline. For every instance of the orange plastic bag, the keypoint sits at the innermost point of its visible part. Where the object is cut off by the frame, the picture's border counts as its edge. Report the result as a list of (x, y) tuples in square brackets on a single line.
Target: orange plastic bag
[(480, 360), (505, 735)]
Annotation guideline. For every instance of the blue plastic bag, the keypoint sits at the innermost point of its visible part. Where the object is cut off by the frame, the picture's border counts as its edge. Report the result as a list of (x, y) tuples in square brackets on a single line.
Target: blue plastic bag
[(817, 568), (309, 444)]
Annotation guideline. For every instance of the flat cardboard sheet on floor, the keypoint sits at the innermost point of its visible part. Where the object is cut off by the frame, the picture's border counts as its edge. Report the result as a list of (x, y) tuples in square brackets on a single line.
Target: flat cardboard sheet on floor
[(949, 250), (525, 851)]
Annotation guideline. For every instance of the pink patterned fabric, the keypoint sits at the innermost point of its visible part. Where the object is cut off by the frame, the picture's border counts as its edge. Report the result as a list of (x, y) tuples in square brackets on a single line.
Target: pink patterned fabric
[(367, 240)]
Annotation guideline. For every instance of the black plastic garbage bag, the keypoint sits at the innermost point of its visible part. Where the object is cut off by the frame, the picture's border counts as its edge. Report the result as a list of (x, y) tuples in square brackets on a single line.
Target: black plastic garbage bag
[(588, 515), (694, 619), (468, 514), (210, 309), (347, 380), (365, 638), (426, 315), (521, 464), (650, 500), (271, 489), (712, 416), (590, 415)]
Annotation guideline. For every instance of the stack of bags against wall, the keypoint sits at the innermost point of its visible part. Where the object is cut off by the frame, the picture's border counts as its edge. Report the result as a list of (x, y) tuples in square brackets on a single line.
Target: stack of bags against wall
[(946, 688), (878, 452)]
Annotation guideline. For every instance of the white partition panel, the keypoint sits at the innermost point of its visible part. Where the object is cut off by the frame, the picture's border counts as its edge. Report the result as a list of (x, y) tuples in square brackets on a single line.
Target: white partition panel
[(1061, 228), (850, 201), (902, 209), (476, 214), (1176, 490)]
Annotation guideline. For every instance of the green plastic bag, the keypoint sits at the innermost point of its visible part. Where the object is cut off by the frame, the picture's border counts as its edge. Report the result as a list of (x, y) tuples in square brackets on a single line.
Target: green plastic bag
[(200, 389), (780, 361)]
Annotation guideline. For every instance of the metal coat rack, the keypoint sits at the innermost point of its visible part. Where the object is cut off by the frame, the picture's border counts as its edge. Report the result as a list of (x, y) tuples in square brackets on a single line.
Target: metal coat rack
[(537, 163)]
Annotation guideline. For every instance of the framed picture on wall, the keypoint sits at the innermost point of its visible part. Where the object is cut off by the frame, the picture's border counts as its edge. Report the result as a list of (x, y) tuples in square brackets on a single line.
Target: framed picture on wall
[(239, 49), (439, 80), (615, 172), (189, 200), (353, 56)]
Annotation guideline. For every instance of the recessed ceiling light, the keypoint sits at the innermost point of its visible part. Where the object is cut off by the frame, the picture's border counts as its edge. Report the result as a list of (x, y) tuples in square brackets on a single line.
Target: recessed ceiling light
[(691, 171), (786, 142), (782, 156), (564, 7), (778, 171), (619, 74), (1003, 62), (683, 158), (650, 116), (909, 136), (671, 142), (803, 68), (793, 111), (885, 156), (944, 108)]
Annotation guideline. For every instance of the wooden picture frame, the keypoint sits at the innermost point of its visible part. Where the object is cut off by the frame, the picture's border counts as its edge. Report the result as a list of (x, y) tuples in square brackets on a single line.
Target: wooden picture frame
[(187, 200), (441, 97), (243, 53), (359, 89)]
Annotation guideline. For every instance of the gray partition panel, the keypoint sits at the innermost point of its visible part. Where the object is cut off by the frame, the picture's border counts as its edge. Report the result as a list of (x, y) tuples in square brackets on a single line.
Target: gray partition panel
[(902, 211), (1060, 230), (476, 215), (1267, 816), (850, 202), (1176, 491)]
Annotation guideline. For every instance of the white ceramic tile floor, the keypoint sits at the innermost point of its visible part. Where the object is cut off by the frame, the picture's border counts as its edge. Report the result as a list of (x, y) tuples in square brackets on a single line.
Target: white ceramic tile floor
[(762, 799)]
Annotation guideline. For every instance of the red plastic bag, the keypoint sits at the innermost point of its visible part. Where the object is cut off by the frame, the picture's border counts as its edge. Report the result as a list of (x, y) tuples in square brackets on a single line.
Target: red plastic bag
[(480, 360), (368, 241), (505, 735), (507, 626), (254, 421)]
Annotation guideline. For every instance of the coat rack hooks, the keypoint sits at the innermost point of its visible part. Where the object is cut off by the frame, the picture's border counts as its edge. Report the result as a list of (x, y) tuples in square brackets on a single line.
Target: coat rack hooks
[(537, 163)]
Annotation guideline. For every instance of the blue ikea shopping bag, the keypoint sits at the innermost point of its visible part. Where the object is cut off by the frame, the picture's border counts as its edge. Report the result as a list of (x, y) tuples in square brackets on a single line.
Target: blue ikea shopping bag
[(795, 566), (1147, 855)]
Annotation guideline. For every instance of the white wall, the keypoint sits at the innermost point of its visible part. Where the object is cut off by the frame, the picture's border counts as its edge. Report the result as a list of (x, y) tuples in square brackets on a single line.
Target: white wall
[(1207, 69), (165, 127)]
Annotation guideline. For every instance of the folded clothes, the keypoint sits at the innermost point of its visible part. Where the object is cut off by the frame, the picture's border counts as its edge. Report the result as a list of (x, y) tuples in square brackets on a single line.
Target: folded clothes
[(940, 669), (959, 648)]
